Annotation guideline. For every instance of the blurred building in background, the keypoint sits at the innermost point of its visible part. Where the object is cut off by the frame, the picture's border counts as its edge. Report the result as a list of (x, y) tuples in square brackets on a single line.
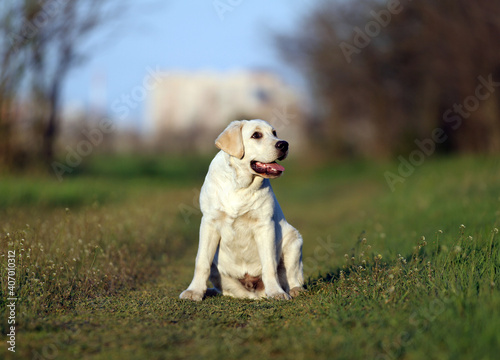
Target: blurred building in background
[(188, 110)]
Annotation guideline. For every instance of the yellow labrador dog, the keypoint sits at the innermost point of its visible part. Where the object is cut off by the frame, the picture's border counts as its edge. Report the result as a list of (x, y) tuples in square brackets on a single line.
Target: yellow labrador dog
[(246, 247)]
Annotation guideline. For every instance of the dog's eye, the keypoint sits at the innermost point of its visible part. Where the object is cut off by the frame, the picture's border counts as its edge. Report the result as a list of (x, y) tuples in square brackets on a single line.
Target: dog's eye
[(256, 135), (274, 133)]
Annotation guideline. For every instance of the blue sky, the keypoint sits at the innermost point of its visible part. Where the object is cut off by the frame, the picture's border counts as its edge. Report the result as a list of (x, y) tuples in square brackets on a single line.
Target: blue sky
[(184, 35)]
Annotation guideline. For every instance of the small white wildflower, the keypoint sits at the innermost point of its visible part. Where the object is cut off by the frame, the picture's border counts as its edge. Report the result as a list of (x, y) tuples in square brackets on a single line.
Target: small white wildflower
[(440, 231), (495, 230), (462, 226)]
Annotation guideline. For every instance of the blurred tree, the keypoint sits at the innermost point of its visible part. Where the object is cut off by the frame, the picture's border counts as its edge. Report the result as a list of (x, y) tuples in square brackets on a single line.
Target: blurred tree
[(11, 70), (41, 41), (385, 74)]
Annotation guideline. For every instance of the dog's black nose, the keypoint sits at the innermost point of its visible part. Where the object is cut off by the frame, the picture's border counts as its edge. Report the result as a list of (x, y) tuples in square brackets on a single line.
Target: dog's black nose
[(282, 145)]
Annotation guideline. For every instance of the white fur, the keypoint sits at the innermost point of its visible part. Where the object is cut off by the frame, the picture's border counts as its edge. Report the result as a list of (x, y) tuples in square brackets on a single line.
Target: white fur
[(243, 230)]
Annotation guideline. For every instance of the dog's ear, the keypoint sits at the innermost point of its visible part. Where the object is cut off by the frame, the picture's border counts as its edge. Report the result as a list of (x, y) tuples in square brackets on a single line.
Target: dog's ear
[(231, 140)]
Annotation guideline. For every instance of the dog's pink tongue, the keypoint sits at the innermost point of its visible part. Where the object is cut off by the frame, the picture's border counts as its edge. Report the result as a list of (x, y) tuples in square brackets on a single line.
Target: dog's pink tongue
[(275, 167)]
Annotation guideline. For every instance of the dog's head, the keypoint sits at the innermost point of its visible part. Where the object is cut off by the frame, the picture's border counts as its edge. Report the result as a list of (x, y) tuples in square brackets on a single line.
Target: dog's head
[(256, 144)]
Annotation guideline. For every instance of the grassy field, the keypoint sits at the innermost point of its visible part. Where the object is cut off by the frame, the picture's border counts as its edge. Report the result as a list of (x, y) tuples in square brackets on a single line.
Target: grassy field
[(101, 258)]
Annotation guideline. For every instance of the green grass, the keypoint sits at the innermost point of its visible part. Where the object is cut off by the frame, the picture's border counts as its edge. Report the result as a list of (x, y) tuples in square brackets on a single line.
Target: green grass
[(102, 257)]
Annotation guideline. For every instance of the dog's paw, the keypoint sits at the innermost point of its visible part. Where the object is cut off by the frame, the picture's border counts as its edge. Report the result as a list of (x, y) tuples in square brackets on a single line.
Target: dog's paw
[(296, 291), (279, 296), (191, 295)]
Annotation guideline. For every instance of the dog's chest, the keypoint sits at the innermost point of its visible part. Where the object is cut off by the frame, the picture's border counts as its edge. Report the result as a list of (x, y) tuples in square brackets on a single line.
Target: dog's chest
[(238, 244), (239, 228)]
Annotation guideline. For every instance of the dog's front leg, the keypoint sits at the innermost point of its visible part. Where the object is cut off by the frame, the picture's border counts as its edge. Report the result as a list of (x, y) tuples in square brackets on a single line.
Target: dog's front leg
[(268, 253), (209, 240)]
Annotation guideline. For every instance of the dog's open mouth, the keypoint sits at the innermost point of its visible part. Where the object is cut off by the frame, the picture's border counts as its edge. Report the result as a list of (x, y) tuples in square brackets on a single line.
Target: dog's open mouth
[(270, 169)]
